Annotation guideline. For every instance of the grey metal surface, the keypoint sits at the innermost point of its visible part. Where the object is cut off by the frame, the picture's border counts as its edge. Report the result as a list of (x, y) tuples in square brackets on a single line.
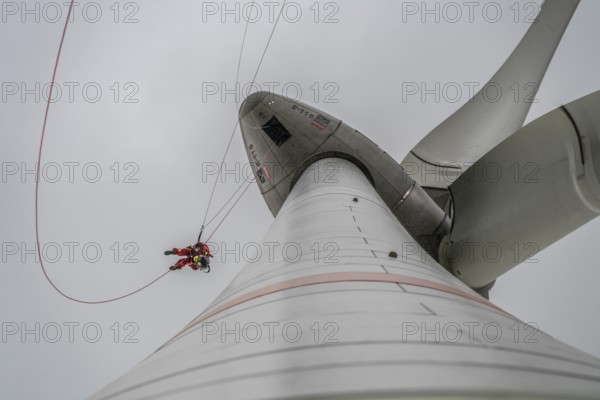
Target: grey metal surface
[(498, 109), (537, 186), (370, 324), (283, 137)]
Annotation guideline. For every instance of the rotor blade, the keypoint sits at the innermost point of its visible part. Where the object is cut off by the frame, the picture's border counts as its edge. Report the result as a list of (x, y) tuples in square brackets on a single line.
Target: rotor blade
[(495, 112), (535, 187)]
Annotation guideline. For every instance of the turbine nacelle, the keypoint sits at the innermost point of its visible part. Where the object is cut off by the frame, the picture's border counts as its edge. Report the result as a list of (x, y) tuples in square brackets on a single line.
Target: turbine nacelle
[(283, 137)]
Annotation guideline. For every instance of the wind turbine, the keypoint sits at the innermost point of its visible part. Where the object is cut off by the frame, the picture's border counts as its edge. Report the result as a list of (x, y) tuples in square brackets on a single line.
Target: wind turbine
[(372, 280)]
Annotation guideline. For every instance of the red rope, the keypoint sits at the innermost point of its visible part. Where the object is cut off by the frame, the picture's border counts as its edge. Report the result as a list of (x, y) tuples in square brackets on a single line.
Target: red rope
[(37, 182)]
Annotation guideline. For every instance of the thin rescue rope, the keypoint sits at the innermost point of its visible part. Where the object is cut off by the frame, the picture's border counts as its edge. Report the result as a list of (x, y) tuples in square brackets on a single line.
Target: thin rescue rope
[(248, 183), (237, 122), (226, 203), (231, 209), (37, 181), (237, 79), (239, 64)]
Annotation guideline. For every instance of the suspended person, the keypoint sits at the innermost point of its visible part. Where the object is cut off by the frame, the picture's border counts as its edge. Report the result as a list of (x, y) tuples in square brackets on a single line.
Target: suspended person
[(203, 255), (196, 256)]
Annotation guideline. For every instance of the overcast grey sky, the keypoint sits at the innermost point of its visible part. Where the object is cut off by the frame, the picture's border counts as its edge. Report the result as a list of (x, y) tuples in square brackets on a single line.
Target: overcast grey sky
[(141, 103)]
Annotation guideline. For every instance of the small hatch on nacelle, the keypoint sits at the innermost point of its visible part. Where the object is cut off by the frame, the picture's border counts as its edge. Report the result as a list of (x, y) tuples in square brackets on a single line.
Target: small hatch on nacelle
[(276, 131)]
